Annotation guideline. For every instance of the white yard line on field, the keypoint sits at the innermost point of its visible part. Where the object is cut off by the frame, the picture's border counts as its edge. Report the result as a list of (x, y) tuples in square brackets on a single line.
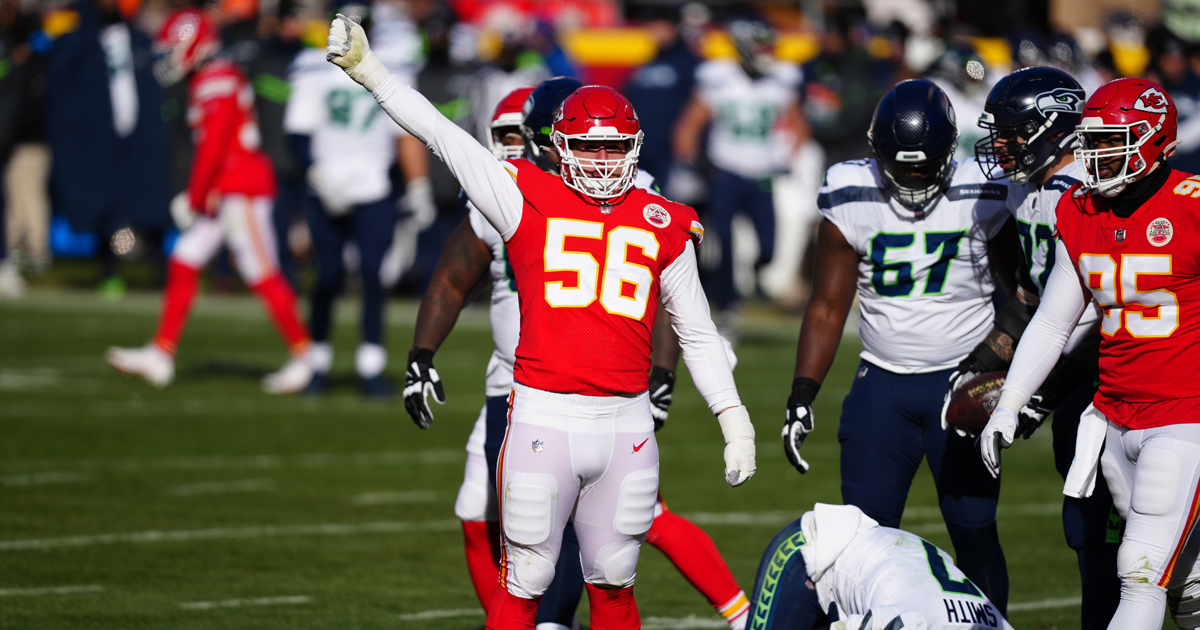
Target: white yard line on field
[(780, 517), (393, 498), (682, 623), (41, 479), (51, 590), (1064, 602), (227, 533), (238, 603), (437, 614), (257, 462), (222, 487)]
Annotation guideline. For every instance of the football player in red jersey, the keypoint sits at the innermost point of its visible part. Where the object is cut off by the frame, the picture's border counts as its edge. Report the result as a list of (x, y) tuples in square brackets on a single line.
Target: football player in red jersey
[(228, 202), (474, 250), (592, 256), (1128, 238)]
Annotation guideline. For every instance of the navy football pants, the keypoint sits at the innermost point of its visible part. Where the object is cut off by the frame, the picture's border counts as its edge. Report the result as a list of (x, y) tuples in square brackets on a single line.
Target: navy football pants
[(729, 194), (889, 423), (560, 601), (1091, 525), (371, 227)]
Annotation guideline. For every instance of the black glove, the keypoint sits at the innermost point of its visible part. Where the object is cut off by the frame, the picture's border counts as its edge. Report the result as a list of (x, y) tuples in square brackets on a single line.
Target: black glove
[(421, 380), (662, 391), (798, 421), (1031, 416)]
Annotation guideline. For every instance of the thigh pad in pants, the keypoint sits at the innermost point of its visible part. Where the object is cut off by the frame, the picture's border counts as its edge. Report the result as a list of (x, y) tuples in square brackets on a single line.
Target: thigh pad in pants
[(529, 507)]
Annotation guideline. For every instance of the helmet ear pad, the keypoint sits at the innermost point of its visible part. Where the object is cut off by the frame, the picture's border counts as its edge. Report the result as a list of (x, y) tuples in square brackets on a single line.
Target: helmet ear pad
[(913, 136)]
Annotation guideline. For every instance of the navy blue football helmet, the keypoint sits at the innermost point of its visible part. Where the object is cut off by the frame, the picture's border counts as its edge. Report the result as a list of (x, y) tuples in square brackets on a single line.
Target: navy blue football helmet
[(1031, 116), (913, 136), (538, 115)]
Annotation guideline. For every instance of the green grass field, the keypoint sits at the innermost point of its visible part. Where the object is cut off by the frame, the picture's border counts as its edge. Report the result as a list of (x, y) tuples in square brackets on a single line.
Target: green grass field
[(213, 505)]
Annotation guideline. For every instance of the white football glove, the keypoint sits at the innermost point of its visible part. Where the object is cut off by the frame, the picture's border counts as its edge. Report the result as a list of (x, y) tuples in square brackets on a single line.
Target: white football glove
[(418, 201), (181, 211), (999, 433), (739, 444), (348, 49)]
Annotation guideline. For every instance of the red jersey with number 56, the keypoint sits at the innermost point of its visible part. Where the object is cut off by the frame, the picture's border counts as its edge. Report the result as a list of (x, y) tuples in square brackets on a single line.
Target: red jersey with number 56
[(1144, 272), (588, 283)]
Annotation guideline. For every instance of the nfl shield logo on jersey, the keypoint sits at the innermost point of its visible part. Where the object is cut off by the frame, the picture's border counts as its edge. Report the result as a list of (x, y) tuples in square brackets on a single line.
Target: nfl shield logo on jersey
[(1119, 234), (656, 215), (537, 446), (1159, 232)]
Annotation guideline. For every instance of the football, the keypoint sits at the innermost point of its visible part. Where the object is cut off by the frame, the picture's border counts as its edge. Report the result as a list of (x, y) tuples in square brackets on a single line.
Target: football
[(973, 403)]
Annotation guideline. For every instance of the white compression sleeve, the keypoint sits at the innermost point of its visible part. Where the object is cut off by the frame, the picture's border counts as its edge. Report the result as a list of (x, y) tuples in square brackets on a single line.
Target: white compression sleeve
[(487, 182), (1063, 303), (703, 352)]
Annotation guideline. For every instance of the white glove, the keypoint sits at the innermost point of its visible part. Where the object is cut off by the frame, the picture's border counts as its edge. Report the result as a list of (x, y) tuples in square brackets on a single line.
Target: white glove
[(739, 444), (999, 433), (418, 201), (332, 197), (181, 211), (348, 48)]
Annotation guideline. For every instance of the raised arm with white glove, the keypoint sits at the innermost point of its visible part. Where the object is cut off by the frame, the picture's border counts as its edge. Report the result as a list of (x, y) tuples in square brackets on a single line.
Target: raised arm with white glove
[(707, 361), (486, 181), (1063, 303)]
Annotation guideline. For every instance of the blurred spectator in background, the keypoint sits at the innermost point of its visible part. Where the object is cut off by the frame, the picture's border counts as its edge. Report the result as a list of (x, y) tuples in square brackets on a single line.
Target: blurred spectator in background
[(660, 89), (103, 121), (895, 35), (228, 202), (756, 127), (842, 85), (514, 66), (1065, 54), (544, 41), (1169, 68), (446, 82), (960, 73), (348, 146), (24, 155)]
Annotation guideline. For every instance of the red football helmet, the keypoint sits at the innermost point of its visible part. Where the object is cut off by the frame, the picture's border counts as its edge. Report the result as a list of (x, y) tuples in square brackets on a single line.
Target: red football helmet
[(505, 120), (1143, 114), (185, 41), (596, 113)]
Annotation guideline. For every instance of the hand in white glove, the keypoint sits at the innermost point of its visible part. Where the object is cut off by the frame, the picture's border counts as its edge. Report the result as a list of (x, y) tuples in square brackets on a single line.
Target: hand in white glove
[(418, 201), (181, 211), (999, 433), (348, 49), (739, 444)]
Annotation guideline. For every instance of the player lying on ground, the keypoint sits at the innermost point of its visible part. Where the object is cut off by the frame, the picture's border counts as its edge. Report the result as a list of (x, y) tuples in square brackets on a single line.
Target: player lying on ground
[(1031, 116), (592, 255), (474, 249), (836, 563), (1127, 239), (228, 202), (918, 236)]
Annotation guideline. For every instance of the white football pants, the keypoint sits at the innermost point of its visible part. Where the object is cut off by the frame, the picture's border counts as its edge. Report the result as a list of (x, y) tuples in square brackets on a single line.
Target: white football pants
[(242, 222), (590, 457), (477, 496), (1153, 475)]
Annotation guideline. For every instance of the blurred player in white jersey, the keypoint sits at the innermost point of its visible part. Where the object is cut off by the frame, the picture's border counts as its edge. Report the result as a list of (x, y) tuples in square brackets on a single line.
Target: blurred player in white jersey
[(228, 202), (1030, 120), (914, 233), (836, 565), (756, 128), (349, 146), (476, 251)]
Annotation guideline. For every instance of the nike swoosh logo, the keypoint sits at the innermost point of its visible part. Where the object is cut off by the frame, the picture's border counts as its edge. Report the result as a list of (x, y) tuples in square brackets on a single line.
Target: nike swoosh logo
[(638, 447)]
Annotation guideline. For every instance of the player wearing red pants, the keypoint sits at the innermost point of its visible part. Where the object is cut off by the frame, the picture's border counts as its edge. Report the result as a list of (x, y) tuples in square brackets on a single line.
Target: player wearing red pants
[(474, 250), (591, 257), (1128, 238), (228, 202)]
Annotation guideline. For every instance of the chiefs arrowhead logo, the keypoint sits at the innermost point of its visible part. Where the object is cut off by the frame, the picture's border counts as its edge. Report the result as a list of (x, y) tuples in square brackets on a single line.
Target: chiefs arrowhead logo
[(1152, 100)]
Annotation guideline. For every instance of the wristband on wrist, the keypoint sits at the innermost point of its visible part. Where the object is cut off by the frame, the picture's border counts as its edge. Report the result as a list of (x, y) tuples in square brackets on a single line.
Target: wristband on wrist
[(804, 390), (420, 355)]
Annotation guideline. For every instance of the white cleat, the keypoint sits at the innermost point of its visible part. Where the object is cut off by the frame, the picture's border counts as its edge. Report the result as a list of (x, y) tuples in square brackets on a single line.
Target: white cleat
[(149, 362), (292, 378), (11, 283)]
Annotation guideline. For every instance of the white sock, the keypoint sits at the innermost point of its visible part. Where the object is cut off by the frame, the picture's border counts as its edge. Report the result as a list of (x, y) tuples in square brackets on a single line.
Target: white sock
[(320, 357), (370, 360)]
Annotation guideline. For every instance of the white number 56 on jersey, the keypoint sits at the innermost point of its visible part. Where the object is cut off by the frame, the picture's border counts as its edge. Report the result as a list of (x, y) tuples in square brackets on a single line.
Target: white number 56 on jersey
[(620, 275)]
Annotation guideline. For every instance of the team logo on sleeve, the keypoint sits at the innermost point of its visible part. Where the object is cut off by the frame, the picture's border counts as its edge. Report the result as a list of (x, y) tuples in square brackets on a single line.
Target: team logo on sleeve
[(1152, 101), (1159, 232), (656, 215)]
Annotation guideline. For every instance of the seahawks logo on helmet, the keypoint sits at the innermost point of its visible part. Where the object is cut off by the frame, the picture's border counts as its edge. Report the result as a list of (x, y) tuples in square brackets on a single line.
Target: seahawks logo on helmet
[(1061, 100)]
